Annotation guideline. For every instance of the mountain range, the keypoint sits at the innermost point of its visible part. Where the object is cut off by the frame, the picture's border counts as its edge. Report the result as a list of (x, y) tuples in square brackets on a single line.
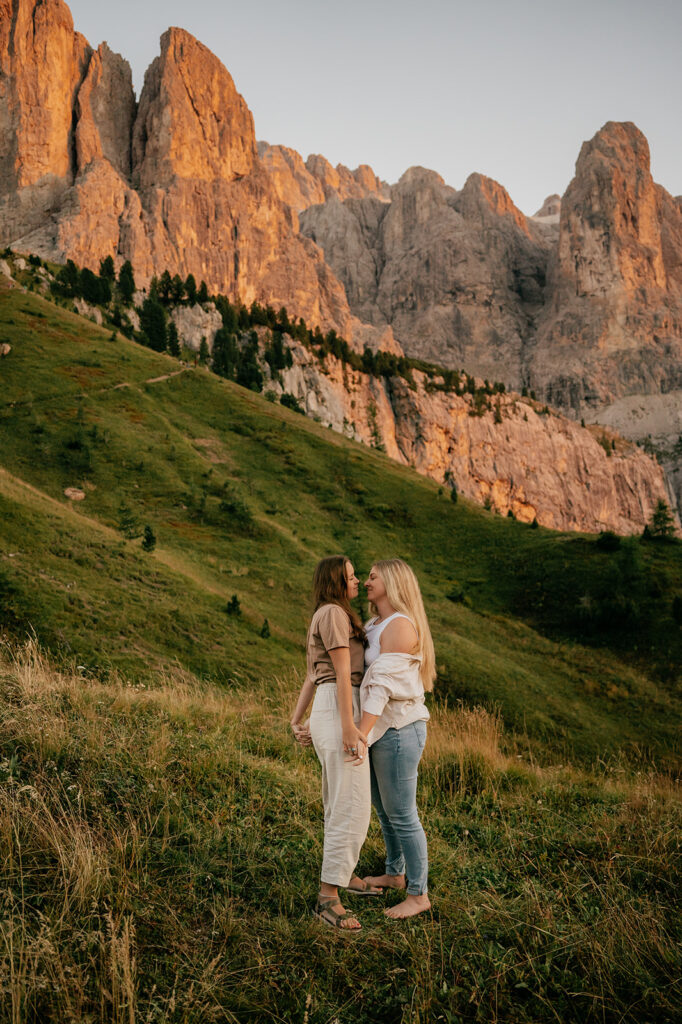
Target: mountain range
[(580, 304)]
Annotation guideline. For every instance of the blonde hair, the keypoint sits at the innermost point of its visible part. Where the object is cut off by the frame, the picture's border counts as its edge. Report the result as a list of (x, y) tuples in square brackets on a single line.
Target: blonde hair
[(403, 593)]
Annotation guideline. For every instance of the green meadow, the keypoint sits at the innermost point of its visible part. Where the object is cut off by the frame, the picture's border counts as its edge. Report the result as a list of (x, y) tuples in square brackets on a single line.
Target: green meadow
[(160, 833)]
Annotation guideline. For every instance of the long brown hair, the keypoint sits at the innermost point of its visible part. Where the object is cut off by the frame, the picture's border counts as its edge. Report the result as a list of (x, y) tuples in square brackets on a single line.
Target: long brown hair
[(331, 587)]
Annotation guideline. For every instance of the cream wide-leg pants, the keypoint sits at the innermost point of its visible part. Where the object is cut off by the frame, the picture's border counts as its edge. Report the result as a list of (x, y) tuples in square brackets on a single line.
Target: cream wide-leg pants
[(346, 792)]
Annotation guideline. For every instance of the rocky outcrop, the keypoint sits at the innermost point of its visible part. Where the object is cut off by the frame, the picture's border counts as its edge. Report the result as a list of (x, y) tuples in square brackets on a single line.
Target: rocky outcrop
[(36, 109), (195, 323), (105, 112), (457, 275), (301, 185), (515, 458), (550, 209), (295, 185), (612, 324)]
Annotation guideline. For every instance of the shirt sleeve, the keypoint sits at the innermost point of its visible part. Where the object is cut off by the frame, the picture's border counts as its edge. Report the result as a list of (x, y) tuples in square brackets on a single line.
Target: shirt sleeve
[(376, 697), (333, 627)]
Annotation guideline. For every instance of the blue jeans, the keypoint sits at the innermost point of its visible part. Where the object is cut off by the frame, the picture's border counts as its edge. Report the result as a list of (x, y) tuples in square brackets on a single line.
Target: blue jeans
[(394, 760)]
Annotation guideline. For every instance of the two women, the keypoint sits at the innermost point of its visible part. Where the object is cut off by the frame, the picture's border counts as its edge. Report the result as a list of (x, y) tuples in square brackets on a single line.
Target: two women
[(387, 715)]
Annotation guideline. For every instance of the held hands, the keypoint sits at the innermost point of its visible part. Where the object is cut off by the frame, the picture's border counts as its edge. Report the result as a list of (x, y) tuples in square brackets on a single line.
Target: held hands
[(302, 733), (355, 745)]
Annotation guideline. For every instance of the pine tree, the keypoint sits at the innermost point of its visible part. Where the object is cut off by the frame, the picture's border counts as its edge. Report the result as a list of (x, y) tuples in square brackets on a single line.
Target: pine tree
[(177, 289), (225, 353), (153, 323), (149, 539), (128, 522), (202, 295), (203, 352), (191, 289), (165, 287), (107, 269), (662, 524), (173, 340), (265, 629), (126, 283)]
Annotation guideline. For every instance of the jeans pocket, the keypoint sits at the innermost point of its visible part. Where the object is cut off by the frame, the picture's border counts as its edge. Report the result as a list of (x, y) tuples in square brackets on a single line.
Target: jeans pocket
[(420, 733)]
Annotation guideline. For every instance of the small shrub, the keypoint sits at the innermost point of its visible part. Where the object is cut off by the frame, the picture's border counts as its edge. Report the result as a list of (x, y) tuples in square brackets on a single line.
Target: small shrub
[(608, 541), (149, 539), (265, 629), (233, 606), (290, 402)]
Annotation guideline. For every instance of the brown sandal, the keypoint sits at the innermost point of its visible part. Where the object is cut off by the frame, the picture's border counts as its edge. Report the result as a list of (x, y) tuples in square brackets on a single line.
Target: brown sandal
[(323, 907)]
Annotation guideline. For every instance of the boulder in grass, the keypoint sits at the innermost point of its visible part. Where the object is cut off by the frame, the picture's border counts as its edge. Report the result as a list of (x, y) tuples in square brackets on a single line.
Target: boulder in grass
[(74, 494)]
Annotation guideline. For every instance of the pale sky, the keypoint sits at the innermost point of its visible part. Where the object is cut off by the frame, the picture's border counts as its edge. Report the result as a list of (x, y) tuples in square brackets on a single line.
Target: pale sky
[(508, 89)]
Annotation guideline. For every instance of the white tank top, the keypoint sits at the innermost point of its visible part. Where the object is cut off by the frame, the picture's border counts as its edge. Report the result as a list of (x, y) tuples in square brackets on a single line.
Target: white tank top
[(374, 629)]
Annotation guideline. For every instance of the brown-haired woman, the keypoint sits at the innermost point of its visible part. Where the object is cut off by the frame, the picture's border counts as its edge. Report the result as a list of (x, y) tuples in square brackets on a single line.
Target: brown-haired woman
[(335, 667)]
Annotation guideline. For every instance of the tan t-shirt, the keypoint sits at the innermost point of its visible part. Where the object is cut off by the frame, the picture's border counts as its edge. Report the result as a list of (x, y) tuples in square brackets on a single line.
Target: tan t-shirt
[(331, 627)]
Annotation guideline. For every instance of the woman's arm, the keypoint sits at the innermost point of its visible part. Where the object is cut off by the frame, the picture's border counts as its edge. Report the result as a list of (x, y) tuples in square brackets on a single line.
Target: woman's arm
[(352, 736), (399, 637), (301, 733), (366, 722)]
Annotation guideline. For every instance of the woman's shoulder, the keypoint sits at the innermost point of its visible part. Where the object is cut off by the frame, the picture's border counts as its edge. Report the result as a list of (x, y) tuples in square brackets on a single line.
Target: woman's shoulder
[(330, 613), (400, 634)]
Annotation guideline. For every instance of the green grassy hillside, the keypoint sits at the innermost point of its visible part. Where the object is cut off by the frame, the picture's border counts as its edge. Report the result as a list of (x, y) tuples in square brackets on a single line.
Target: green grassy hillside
[(160, 843), (578, 646), (160, 833)]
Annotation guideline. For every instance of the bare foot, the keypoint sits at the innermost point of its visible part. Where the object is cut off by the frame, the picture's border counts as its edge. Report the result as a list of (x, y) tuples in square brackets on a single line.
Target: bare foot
[(410, 906), (363, 885), (386, 881)]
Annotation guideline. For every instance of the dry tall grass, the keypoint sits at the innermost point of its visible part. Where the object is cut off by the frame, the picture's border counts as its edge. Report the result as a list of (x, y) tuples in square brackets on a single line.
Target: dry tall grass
[(159, 846)]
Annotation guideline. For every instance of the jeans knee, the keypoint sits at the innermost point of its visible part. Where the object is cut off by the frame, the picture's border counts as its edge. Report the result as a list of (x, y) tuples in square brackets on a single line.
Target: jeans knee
[(405, 821)]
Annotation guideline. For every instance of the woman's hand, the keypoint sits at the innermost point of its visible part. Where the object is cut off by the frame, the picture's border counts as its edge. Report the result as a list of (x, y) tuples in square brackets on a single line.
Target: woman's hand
[(355, 744), (302, 733)]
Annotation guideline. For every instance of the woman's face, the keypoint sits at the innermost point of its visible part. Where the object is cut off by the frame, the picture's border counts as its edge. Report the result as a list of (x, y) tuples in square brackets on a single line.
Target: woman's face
[(374, 586), (352, 582)]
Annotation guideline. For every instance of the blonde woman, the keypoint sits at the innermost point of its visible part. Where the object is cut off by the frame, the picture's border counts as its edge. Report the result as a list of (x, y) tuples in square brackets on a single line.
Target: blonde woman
[(400, 663), (335, 655)]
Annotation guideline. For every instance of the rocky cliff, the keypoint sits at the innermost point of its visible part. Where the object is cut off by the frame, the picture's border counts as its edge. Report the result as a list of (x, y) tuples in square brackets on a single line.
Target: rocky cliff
[(175, 183), (301, 185), (36, 109), (516, 457), (459, 276), (612, 322), (581, 303)]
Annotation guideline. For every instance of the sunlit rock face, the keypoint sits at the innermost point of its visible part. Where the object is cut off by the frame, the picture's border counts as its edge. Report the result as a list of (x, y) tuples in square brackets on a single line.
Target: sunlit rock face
[(36, 109), (176, 184), (301, 185), (582, 303), (612, 323), (516, 458)]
